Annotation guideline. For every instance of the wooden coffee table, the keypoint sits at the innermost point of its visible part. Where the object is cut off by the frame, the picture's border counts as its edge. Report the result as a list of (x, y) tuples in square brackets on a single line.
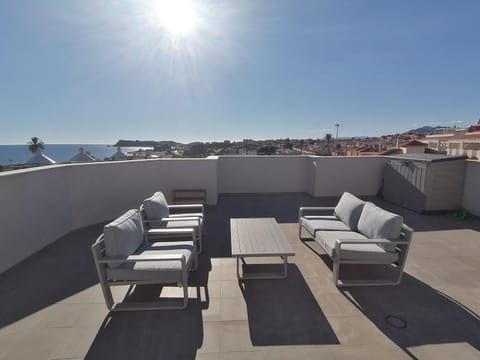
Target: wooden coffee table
[(259, 237)]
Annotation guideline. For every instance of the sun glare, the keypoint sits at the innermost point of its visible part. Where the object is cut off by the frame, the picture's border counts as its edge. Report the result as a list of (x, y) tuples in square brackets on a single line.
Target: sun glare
[(178, 17)]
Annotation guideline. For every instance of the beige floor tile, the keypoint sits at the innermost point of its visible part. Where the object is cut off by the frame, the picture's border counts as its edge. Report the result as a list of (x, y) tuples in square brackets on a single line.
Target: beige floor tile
[(214, 288), (241, 355), (456, 351), (208, 356), (369, 352), (235, 336), (234, 309), (356, 330), (72, 342), (335, 304), (213, 311), (230, 289), (212, 332)]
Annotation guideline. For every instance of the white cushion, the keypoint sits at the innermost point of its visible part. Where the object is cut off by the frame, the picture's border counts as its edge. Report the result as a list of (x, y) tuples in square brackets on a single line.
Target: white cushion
[(327, 223), (348, 210), (169, 271), (156, 206), (360, 252), (124, 235), (376, 223)]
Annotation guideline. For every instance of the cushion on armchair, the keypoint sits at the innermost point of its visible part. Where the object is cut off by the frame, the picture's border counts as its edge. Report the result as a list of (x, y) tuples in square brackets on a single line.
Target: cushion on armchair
[(348, 210), (156, 206), (376, 223), (124, 235)]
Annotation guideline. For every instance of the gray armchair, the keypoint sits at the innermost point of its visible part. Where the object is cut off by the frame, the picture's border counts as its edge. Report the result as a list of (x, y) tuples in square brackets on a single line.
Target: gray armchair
[(123, 256), (158, 214)]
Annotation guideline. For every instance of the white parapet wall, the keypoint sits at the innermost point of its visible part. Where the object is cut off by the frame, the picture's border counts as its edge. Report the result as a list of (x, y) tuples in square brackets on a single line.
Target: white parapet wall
[(42, 204), (335, 175), (262, 174), (471, 193)]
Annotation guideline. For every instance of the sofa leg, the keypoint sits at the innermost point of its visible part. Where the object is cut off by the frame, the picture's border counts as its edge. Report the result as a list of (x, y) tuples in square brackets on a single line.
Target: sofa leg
[(336, 269)]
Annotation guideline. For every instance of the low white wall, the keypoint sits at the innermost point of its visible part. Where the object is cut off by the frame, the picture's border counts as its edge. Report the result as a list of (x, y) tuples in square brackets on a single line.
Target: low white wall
[(34, 212), (471, 193), (262, 174), (361, 176)]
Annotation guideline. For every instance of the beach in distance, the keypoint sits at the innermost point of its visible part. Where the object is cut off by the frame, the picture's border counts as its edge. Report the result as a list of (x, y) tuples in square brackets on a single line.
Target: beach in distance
[(19, 154)]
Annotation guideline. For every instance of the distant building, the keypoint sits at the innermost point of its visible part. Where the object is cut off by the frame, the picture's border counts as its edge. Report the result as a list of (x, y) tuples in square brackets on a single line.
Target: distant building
[(413, 146), (119, 155), (82, 157), (457, 142), (242, 151), (40, 159)]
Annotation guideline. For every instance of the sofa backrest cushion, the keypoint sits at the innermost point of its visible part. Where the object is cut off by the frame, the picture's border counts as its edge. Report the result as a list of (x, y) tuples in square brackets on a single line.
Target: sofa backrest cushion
[(348, 210), (124, 235), (376, 223), (156, 206)]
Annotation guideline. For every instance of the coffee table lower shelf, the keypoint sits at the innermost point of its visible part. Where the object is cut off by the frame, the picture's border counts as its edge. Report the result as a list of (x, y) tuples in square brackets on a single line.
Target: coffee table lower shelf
[(262, 275)]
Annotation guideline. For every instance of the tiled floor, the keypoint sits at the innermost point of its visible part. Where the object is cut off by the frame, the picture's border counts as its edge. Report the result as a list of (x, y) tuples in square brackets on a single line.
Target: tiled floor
[(51, 306)]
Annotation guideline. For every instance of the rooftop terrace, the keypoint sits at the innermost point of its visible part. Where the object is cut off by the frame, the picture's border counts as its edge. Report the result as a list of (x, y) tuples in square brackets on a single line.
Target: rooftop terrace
[(52, 306)]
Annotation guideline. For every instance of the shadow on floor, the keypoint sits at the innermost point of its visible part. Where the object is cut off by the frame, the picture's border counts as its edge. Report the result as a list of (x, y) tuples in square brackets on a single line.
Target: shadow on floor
[(149, 335), (430, 317), (285, 312), (54, 273)]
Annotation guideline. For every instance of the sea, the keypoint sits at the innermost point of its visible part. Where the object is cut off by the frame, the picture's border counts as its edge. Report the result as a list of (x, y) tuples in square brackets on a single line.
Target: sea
[(19, 154)]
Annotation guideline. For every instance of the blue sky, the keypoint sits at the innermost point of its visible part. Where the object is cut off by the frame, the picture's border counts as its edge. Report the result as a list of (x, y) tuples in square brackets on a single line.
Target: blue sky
[(91, 71)]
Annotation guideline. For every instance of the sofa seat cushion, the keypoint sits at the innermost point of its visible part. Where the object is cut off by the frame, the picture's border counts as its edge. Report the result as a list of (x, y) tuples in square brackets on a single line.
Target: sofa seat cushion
[(124, 235), (169, 271), (348, 210), (360, 252), (327, 223), (376, 223), (156, 206)]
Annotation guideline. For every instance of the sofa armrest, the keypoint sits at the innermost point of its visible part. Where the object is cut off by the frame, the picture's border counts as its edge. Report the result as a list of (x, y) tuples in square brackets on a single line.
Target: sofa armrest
[(171, 233), (184, 207), (172, 219), (305, 209), (141, 258), (339, 243)]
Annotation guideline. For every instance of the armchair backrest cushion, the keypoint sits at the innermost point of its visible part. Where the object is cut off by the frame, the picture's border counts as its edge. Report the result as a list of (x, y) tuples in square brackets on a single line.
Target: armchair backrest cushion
[(349, 209), (376, 223), (156, 206), (124, 235)]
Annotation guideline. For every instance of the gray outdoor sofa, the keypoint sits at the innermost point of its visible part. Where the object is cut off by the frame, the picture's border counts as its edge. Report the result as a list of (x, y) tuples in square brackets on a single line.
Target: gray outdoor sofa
[(124, 255), (358, 232)]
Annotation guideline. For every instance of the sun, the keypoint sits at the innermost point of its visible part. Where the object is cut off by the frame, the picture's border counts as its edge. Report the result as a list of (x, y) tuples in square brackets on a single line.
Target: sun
[(178, 17)]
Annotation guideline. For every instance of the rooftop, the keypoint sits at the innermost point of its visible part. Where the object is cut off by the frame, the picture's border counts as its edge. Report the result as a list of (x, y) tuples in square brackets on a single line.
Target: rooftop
[(52, 306)]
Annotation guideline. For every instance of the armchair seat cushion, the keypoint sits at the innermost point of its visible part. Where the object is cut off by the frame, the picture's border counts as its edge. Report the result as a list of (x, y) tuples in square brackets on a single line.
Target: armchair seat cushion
[(326, 223), (169, 271), (362, 252)]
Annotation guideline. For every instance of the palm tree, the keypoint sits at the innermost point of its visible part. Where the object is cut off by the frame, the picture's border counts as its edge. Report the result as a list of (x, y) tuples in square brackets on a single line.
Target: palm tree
[(35, 144), (328, 137)]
